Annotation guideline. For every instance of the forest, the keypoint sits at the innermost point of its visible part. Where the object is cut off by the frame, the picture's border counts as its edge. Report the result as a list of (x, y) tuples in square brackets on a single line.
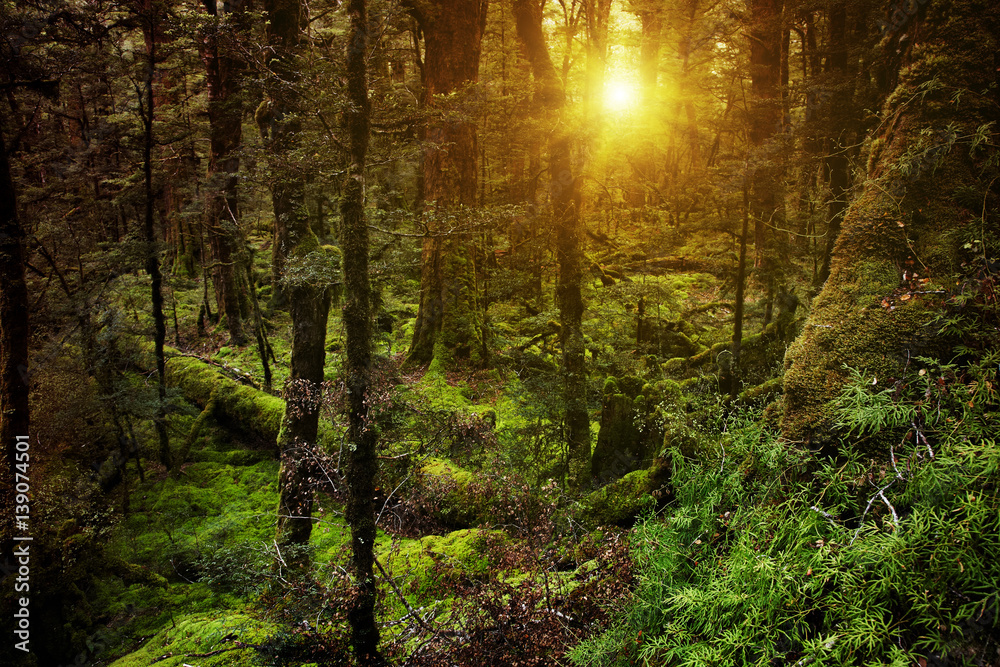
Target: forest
[(524, 332)]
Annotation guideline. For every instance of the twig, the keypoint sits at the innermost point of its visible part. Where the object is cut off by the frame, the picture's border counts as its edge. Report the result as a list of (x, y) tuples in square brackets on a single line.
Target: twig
[(870, 501), (895, 519), (826, 515)]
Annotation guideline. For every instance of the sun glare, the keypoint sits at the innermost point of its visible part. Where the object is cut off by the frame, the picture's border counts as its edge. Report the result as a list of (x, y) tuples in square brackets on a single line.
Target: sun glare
[(619, 96)]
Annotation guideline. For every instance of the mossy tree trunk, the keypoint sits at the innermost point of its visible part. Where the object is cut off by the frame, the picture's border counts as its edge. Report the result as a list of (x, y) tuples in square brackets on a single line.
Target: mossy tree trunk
[(308, 299), (14, 333), (551, 96), (449, 322), (225, 118), (362, 461), (766, 121), (926, 186), (309, 306)]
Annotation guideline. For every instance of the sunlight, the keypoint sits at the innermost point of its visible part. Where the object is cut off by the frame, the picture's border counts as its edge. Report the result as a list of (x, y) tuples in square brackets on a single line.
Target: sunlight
[(620, 96)]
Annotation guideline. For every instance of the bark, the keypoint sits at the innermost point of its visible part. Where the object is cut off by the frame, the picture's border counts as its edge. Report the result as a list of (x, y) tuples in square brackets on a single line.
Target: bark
[(741, 279), (906, 218), (837, 162), (449, 322), (309, 306), (649, 51), (150, 28), (14, 415), (598, 17), (222, 214), (362, 461), (280, 125)]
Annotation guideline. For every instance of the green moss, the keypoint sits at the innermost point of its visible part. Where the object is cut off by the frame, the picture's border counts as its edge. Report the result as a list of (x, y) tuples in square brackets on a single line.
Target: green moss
[(174, 523), (246, 408), (201, 633), (424, 562), (622, 500)]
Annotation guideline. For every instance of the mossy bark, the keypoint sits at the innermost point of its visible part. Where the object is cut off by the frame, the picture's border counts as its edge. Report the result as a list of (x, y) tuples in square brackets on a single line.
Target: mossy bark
[(449, 322), (278, 120), (868, 314), (309, 306), (150, 28), (362, 435)]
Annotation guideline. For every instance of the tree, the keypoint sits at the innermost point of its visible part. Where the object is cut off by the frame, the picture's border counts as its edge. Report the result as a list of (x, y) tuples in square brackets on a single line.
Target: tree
[(14, 416), (152, 22), (929, 188), (449, 322), (303, 275), (362, 436), (564, 190), (280, 123), (225, 116)]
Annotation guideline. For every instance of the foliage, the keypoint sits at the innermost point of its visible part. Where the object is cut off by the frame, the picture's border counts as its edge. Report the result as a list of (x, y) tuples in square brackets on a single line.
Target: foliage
[(773, 554)]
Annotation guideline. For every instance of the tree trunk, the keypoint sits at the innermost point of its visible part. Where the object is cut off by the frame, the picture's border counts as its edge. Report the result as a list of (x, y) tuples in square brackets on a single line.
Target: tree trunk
[(598, 17), (222, 214), (449, 322), (151, 22), (309, 302), (280, 126), (837, 162), (905, 219), (733, 374), (14, 333), (565, 204), (362, 462)]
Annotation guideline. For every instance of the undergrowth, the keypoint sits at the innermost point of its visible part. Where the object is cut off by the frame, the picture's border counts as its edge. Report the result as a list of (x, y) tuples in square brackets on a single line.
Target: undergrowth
[(884, 553)]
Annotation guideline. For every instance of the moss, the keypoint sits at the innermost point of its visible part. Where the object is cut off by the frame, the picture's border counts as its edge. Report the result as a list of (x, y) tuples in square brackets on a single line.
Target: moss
[(762, 391), (201, 633), (903, 220), (176, 522), (239, 406), (243, 407), (621, 501), (424, 562), (450, 484)]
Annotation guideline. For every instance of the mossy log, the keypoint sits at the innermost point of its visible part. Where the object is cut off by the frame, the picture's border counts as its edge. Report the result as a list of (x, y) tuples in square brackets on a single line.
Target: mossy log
[(621, 501), (247, 409), (927, 187)]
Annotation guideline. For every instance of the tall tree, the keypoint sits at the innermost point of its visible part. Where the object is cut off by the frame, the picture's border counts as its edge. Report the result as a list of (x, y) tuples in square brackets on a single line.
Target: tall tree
[(565, 194), (278, 118), (309, 293), (225, 117), (152, 19), (449, 322), (362, 462)]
